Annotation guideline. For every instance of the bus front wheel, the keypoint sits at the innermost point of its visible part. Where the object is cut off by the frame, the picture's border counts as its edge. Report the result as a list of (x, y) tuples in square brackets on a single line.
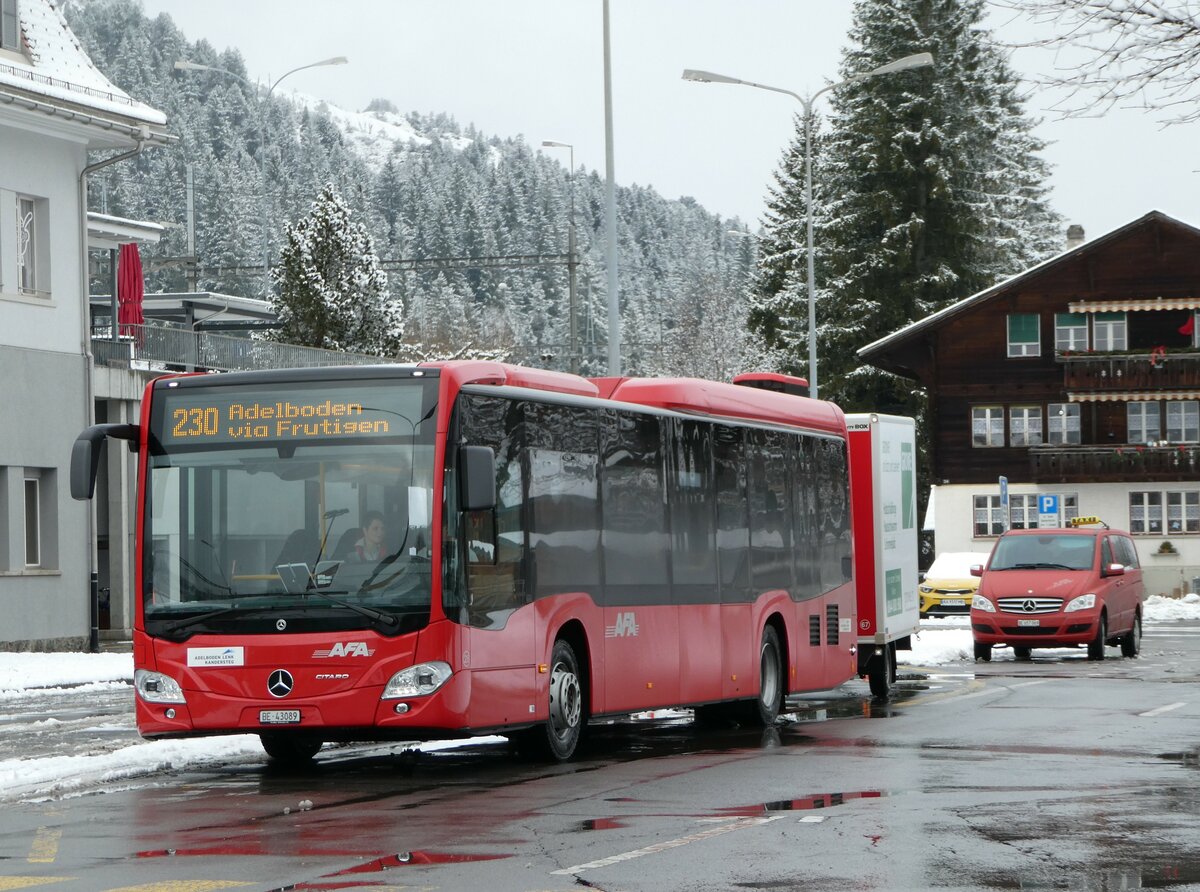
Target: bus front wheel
[(289, 750), (558, 738)]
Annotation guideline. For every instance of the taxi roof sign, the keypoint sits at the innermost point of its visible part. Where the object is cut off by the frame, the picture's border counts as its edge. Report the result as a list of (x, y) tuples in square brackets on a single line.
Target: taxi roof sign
[(1087, 521)]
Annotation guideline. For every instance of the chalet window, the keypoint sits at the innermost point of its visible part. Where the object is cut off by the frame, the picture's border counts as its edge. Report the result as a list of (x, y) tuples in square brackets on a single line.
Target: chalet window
[(1141, 422), (1023, 512), (1025, 426), (1146, 513), (1070, 331), (1183, 421), (1108, 331), (1024, 336), (987, 426), (1062, 424), (989, 516), (1183, 512), (10, 31)]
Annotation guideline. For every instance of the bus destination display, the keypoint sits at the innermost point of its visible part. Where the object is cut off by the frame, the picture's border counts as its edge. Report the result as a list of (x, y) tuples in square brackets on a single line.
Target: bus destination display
[(258, 417)]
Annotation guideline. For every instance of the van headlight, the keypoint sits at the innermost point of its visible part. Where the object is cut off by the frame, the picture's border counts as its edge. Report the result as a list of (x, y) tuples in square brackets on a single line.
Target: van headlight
[(1083, 602), (979, 602), (154, 687), (420, 680)]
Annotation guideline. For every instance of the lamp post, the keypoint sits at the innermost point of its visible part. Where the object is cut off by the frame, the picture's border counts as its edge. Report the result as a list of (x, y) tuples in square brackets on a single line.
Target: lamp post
[(263, 103), (572, 263), (919, 60)]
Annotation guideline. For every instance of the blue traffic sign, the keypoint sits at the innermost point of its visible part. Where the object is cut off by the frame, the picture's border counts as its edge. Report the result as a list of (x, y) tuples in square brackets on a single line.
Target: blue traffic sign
[(1047, 504)]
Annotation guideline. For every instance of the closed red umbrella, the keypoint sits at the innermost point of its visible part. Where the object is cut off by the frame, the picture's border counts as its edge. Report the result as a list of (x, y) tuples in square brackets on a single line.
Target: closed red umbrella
[(130, 289)]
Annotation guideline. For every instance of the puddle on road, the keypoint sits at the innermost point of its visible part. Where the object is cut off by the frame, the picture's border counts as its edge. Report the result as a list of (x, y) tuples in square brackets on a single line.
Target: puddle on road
[(804, 803), (1168, 874), (1187, 760)]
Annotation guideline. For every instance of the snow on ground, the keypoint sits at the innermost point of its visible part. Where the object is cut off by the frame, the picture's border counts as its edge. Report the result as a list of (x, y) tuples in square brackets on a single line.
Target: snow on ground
[(22, 675)]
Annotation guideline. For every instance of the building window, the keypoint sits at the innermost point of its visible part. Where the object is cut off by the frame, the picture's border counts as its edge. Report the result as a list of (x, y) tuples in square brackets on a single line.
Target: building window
[(1108, 331), (1183, 512), (1025, 426), (33, 523), (987, 426), (1024, 338), (1141, 422), (1070, 331), (1062, 424), (1183, 421), (989, 516), (27, 246), (1146, 513), (10, 30), (1023, 512)]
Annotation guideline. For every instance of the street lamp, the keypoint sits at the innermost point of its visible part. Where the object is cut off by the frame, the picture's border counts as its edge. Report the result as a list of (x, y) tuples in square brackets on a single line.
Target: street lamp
[(263, 102), (919, 60), (571, 262)]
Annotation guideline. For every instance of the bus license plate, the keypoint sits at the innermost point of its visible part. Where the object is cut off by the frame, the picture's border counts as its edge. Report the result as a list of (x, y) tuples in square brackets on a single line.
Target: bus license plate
[(279, 717), (1029, 622)]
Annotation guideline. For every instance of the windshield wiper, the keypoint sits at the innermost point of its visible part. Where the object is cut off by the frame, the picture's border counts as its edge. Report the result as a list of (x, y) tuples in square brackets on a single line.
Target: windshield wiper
[(211, 614), (388, 619), (1040, 566)]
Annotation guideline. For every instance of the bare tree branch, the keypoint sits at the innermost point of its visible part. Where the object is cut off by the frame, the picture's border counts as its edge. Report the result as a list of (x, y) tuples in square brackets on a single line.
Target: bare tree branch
[(1127, 53)]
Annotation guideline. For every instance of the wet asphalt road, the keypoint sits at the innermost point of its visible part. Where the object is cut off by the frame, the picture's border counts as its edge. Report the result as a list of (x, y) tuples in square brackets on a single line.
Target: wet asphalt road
[(1052, 774)]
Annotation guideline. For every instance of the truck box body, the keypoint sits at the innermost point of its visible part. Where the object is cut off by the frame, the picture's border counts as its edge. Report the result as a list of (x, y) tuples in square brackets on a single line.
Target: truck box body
[(884, 491)]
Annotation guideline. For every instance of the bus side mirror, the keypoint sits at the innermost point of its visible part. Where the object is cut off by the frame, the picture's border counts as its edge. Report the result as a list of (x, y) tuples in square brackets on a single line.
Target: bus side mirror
[(85, 455), (477, 478)]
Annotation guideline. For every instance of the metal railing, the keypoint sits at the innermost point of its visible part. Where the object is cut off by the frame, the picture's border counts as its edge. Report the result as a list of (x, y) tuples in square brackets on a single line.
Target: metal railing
[(1103, 464), (1130, 371), (35, 78), (161, 347)]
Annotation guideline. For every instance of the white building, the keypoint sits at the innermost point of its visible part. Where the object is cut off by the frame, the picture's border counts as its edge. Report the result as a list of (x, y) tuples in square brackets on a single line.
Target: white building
[(55, 108)]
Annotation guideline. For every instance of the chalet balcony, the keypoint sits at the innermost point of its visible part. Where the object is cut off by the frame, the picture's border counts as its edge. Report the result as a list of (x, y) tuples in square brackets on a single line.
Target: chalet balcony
[(1114, 464), (1130, 372)]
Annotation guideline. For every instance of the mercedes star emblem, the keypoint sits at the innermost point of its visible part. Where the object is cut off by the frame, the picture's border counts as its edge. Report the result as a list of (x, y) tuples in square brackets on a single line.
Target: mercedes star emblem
[(281, 624), (1029, 605), (280, 683)]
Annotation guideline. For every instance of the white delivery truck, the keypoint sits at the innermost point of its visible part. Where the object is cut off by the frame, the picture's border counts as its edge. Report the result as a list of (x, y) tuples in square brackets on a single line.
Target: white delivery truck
[(883, 490)]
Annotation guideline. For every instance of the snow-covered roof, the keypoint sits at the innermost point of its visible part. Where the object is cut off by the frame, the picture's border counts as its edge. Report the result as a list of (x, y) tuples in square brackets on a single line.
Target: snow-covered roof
[(59, 75), (966, 304)]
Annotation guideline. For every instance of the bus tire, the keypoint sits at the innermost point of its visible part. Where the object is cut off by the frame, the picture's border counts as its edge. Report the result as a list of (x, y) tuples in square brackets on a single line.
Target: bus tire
[(558, 738), (288, 749), (769, 702)]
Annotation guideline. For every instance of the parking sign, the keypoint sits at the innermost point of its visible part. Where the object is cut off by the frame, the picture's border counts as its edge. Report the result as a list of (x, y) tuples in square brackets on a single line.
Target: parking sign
[(1047, 511)]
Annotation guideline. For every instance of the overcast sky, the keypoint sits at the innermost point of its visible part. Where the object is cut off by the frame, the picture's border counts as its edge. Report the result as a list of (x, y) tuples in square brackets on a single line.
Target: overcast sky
[(535, 67)]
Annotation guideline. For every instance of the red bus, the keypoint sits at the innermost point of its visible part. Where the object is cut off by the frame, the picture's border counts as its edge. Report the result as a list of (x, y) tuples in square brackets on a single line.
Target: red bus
[(448, 549)]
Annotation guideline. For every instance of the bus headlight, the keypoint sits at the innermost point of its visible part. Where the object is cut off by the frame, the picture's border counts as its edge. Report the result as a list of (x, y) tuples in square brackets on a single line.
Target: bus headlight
[(154, 687), (1083, 602), (417, 681), (979, 602)]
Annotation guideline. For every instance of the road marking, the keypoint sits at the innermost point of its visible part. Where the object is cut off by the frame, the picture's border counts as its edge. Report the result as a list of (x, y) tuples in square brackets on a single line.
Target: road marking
[(7, 883), (1026, 684), (1150, 713), (45, 846), (183, 886), (735, 824)]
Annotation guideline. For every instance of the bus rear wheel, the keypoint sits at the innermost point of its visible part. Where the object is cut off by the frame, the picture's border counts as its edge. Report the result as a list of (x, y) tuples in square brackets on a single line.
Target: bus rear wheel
[(769, 702), (881, 674), (559, 737), (289, 750)]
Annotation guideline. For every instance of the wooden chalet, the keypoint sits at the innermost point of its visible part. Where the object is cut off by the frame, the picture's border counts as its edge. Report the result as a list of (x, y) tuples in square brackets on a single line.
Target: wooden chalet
[(1077, 379)]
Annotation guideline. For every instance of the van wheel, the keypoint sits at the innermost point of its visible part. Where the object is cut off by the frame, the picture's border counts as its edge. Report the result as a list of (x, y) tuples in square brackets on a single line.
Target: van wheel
[(1096, 645), (1131, 643), (1021, 653), (983, 653), (770, 679), (289, 750), (882, 672)]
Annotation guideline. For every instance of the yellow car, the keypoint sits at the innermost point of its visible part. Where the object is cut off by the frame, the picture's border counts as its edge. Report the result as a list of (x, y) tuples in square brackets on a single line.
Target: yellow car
[(948, 586)]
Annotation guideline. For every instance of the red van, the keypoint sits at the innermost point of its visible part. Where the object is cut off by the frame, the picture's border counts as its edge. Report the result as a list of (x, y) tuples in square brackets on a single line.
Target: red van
[(1058, 588)]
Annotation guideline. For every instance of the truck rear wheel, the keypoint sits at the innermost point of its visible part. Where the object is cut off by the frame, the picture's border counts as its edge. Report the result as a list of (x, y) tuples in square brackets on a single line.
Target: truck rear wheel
[(881, 674)]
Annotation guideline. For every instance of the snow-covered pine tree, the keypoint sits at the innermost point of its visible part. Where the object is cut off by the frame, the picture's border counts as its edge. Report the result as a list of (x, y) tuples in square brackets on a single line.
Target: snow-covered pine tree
[(332, 293), (930, 189)]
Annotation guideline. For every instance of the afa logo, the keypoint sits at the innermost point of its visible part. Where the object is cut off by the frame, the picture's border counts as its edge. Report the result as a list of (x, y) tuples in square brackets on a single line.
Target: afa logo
[(344, 649), (625, 627)]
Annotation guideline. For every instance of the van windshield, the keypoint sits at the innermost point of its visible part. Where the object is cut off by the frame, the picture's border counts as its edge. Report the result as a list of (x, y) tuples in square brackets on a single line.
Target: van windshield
[(1044, 552)]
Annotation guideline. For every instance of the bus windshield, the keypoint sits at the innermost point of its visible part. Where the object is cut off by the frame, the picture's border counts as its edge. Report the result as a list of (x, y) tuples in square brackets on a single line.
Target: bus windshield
[(301, 507)]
